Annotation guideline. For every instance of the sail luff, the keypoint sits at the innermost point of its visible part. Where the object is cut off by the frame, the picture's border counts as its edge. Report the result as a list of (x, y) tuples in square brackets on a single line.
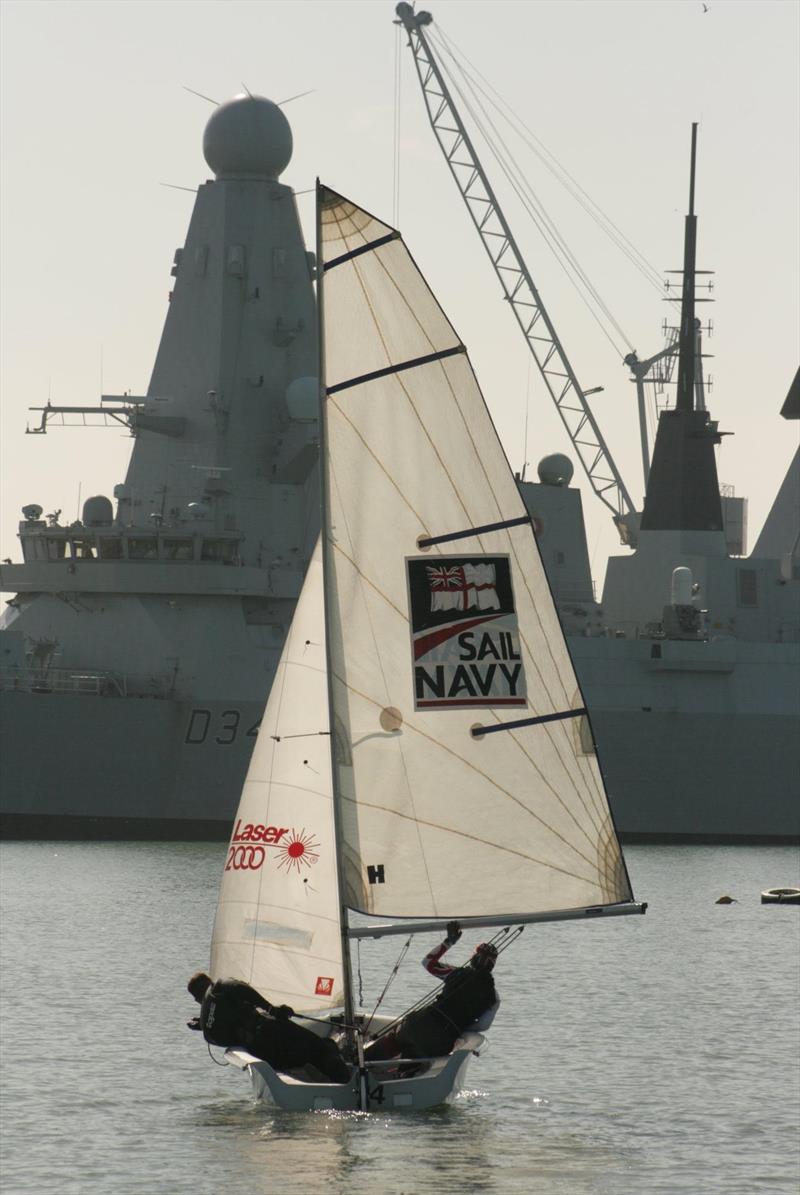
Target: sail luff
[(349, 1008)]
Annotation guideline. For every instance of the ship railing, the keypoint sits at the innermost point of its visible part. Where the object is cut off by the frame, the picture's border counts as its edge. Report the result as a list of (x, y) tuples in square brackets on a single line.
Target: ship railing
[(85, 681)]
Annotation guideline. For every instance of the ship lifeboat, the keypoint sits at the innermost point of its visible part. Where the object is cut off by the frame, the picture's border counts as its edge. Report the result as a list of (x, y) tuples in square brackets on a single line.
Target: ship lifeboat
[(780, 896)]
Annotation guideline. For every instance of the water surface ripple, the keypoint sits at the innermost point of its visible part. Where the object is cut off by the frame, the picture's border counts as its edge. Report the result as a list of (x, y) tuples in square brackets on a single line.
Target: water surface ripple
[(640, 1056)]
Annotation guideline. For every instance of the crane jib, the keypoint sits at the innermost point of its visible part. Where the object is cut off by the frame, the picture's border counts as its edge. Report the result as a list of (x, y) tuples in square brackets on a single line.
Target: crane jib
[(521, 292)]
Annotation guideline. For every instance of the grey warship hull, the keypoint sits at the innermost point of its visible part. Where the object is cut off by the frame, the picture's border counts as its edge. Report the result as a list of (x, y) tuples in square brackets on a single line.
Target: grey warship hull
[(692, 750), (697, 745), (182, 784)]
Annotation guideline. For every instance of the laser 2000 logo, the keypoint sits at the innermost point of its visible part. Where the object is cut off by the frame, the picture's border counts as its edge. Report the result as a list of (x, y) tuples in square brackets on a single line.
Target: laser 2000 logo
[(292, 849)]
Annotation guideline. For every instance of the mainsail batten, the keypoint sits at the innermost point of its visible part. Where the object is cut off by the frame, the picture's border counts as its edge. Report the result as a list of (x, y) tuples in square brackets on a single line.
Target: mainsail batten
[(433, 637)]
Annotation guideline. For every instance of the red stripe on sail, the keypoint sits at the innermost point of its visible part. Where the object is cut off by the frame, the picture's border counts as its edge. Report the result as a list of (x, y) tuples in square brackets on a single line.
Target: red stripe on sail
[(442, 634), (483, 702)]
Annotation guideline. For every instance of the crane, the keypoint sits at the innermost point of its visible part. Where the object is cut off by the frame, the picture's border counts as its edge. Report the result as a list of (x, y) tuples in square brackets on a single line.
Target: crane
[(518, 286)]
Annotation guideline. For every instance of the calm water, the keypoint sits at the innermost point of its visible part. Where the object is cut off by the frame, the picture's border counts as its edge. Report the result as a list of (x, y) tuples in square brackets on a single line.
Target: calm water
[(641, 1056)]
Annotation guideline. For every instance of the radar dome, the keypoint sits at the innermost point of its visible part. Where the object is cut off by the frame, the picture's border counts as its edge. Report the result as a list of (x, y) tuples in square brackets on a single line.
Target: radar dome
[(302, 399), (98, 511), (248, 136), (555, 469)]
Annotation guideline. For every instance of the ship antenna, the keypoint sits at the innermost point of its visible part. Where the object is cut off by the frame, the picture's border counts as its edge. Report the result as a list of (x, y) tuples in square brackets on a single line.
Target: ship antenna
[(299, 96), (199, 94), (686, 360)]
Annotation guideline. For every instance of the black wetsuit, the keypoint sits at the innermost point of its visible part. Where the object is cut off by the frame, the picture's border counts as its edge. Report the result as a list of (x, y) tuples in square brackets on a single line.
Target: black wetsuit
[(431, 1032), (234, 1014)]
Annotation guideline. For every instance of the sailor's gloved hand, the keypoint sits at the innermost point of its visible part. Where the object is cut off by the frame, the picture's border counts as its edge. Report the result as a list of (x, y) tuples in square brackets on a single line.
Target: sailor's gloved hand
[(453, 933), (282, 1012), (194, 1023)]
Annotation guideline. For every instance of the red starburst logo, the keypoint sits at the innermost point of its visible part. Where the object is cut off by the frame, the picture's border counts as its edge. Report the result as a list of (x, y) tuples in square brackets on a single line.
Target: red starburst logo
[(297, 850), (324, 986)]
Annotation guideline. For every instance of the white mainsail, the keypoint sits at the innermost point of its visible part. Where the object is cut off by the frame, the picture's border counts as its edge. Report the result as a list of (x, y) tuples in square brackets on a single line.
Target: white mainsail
[(278, 924), (429, 642)]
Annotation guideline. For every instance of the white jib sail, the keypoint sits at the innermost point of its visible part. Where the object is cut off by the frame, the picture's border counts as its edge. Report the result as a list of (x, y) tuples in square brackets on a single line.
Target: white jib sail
[(429, 642), (277, 924)]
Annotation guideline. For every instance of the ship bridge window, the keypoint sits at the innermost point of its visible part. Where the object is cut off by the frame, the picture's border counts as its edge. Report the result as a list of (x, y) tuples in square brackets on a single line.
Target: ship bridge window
[(747, 586), (56, 549), (33, 548), (224, 550), (109, 547), (143, 547), (177, 549), (82, 549)]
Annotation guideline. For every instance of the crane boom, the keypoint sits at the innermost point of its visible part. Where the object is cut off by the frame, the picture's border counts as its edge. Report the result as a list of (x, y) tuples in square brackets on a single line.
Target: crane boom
[(515, 279)]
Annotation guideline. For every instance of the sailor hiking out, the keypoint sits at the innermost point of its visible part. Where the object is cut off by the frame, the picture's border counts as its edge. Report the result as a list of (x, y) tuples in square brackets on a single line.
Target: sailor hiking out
[(468, 1000), (234, 1014)]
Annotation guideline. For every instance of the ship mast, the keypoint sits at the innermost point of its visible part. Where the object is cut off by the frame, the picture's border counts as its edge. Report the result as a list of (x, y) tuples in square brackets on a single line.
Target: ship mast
[(683, 490), (686, 359)]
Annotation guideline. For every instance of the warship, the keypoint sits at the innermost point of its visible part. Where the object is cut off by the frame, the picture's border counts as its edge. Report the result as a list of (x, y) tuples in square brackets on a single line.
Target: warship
[(143, 637), (141, 641)]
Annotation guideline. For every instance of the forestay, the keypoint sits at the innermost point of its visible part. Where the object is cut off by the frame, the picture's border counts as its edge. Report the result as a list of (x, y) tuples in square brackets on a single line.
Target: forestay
[(436, 647), (277, 923)]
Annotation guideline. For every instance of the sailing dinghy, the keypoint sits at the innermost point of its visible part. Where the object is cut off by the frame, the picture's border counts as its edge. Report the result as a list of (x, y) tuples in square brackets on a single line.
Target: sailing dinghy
[(425, 754)]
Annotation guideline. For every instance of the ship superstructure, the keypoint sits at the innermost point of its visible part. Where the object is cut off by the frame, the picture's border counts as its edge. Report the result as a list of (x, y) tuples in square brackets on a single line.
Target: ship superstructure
[(142, 640), (690, 665)]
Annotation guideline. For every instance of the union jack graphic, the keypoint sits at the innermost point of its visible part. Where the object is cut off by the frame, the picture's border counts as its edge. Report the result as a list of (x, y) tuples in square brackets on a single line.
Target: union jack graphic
[(462, 586), (446, 578)]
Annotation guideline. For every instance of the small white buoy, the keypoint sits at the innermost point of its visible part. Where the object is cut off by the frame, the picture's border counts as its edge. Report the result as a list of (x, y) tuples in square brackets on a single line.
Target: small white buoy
[(780, 896)]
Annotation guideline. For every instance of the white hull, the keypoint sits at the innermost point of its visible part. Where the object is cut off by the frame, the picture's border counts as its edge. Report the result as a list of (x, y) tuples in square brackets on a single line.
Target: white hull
[(440, 1082)]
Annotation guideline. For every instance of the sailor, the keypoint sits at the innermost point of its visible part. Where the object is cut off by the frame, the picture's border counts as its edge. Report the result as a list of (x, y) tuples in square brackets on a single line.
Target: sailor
[(234, 1014), (467, 1001)]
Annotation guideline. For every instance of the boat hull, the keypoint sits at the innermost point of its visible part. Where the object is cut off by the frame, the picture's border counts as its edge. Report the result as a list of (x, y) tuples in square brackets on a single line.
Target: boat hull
[(441, 1081)]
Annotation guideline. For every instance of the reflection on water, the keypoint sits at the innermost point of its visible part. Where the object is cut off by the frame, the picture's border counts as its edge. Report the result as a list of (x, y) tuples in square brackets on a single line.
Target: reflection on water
[(637, 1057)]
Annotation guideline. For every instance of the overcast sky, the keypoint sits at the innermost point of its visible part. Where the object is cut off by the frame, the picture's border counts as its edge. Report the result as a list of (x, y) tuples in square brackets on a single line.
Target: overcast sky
[(95, 119)]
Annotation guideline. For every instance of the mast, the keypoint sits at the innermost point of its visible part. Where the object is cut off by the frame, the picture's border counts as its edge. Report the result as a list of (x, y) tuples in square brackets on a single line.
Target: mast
[(349, 1008), (683, 490), (684, 400)]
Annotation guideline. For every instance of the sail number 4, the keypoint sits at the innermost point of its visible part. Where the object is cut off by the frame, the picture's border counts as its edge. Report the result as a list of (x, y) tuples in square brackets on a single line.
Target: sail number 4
[(224, 728)]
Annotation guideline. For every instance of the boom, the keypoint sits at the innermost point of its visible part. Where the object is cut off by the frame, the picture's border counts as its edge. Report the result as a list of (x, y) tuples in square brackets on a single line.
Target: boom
[(515, 279)]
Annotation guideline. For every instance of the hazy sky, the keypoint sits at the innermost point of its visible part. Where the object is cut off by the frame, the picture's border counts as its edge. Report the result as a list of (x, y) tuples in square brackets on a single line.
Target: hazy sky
[(95, 119)]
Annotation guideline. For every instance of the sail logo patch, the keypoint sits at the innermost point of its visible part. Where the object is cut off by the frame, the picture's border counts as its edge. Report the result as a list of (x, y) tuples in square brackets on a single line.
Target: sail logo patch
[(464, 633), (299, 850), (324, 986), (293, 849)]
